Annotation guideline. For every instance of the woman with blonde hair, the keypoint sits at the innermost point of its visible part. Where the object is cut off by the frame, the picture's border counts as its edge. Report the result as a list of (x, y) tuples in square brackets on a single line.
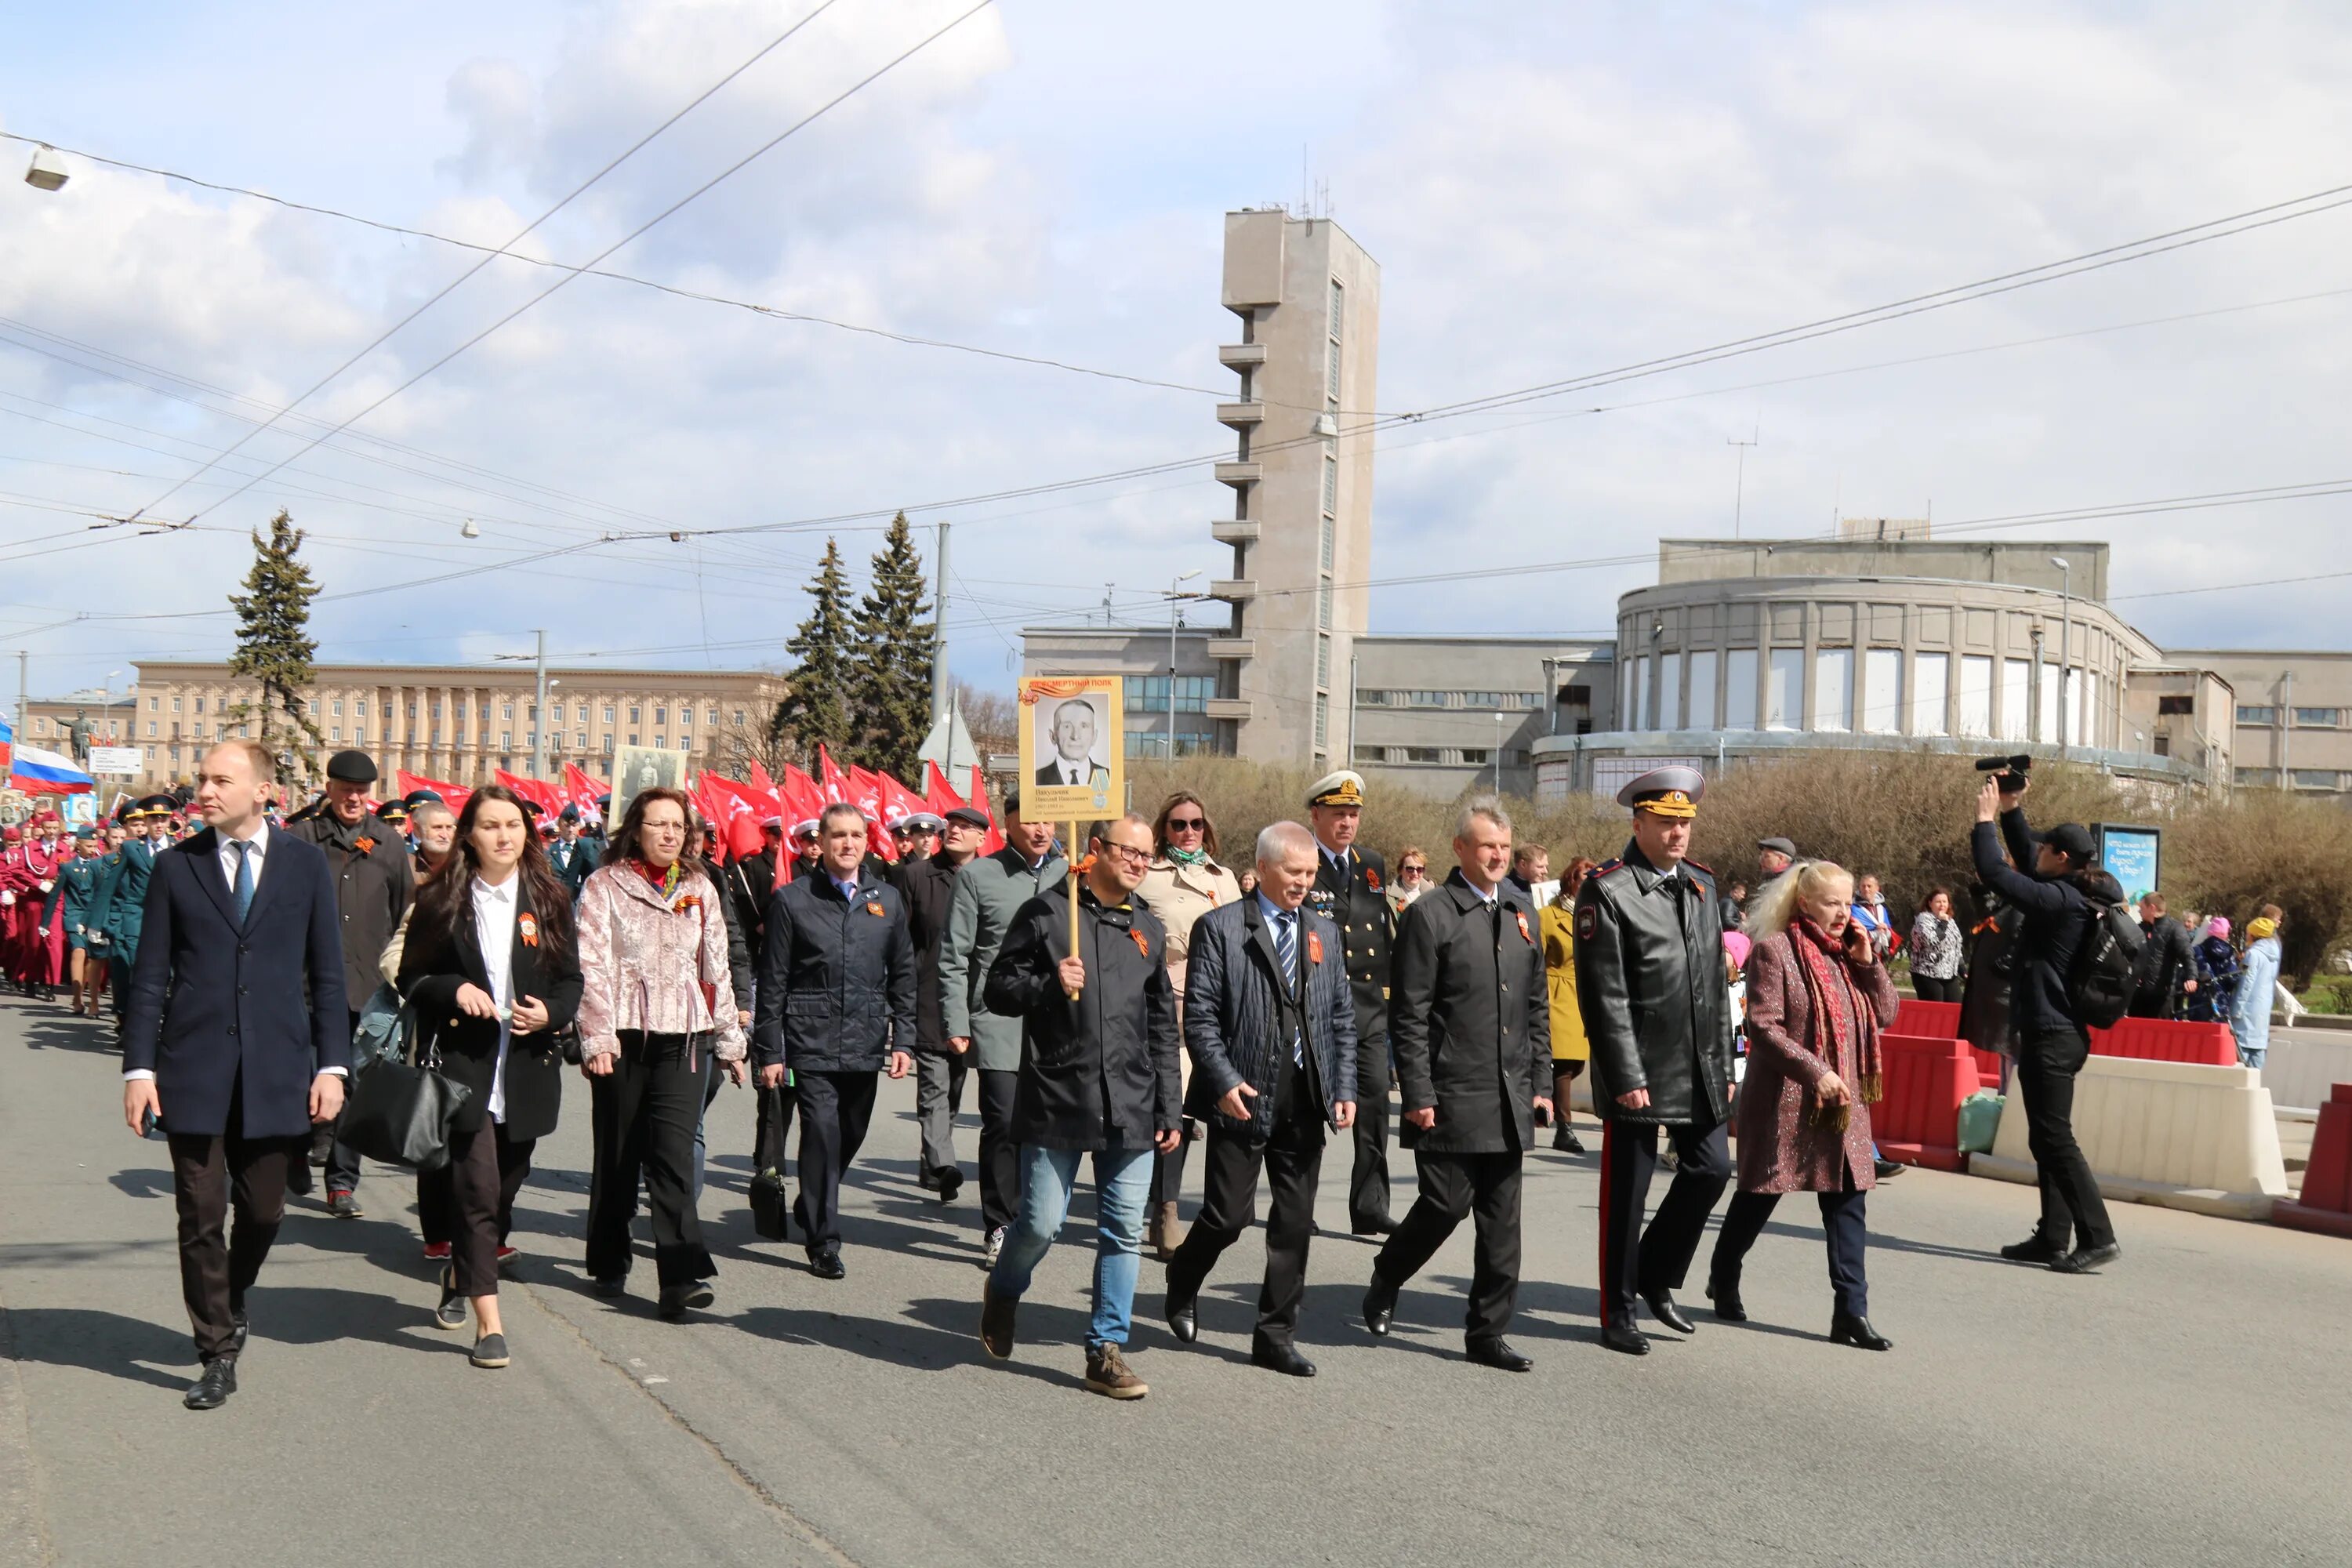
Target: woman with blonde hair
[(1569, 1047), (1818, 995), (1184, 882)]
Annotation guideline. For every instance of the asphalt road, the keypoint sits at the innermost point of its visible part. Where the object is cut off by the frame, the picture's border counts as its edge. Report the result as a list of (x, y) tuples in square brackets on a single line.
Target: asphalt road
[(2189, 1406)]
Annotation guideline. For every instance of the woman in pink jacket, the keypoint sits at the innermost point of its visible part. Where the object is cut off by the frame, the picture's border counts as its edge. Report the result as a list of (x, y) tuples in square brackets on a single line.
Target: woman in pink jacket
[(1816, 997), (656, 1004)]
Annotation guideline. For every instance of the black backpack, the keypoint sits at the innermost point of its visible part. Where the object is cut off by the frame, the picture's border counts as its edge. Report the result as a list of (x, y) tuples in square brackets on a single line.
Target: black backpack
[(2107, 961)]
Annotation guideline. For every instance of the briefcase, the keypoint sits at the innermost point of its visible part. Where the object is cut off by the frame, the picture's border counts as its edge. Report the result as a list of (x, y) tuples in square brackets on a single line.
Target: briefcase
[(770, 1216), (399, 1112)]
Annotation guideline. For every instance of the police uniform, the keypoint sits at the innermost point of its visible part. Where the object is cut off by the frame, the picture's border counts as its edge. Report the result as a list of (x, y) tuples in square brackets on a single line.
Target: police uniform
[(1650, 985), (1351, 889), (374, 884), (118, 908)]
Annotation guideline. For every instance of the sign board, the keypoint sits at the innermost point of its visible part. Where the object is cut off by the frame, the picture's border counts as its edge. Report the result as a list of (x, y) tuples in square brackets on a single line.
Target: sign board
[(639, 768), (2133, 856), (1073, 748), (116, 761)]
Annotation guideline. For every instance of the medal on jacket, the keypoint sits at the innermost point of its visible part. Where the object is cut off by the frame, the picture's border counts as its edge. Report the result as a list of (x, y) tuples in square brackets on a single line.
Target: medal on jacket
[(873, 908), (1314, 947), (527, 928), (1522, 917)]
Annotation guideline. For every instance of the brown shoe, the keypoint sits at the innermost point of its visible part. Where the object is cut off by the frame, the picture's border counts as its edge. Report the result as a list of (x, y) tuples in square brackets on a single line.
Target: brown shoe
[(1173, 1228), (1108, 1374), (996, 1313)]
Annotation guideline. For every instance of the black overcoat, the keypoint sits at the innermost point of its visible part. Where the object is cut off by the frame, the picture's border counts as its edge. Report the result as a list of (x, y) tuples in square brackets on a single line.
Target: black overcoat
[(1470, 1020), (433, 965)]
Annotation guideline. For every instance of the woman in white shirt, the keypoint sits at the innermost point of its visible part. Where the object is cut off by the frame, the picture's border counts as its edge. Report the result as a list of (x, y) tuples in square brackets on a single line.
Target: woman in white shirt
[(491, 967)]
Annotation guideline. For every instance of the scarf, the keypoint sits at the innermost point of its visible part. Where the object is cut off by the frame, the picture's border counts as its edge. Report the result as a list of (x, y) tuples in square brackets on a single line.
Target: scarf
[(664, 882), (1839, 1008), (1187, 857)]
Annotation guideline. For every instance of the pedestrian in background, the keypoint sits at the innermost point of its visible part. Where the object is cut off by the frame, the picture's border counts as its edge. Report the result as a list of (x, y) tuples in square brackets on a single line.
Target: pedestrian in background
[(1411, 880), (2217, 974), (657, 1000), (929, 887), (1936, 955), (1818, 995), (1350, 888), (2166, 971), (1870, 912), (79, 877), (1570, 1048), (1185, 883), (2250, 1013), (490, 963)]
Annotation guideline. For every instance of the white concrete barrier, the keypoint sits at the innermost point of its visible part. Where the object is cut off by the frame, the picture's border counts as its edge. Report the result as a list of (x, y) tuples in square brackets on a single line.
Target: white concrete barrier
[(2299, 1072), (2177, 1133)]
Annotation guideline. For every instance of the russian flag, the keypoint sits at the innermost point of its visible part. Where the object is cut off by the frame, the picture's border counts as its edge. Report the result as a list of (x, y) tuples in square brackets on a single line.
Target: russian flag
[(7, 745), (37, 772)]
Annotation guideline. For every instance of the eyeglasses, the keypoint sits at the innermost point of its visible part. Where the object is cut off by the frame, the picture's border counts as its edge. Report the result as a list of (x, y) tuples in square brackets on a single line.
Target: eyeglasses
[(1411, 870), (1131, 856), (1188, 825)]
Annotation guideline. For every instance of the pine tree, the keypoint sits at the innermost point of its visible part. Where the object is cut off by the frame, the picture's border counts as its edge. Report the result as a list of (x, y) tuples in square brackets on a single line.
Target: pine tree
[(891, 692), (274, 646), (817, 708)]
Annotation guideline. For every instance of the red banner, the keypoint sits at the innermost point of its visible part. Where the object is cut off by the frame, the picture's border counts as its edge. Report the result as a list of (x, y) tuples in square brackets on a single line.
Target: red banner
[(451, 796)]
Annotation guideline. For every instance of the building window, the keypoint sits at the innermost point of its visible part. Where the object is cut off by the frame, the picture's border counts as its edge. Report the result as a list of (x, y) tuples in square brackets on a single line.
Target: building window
[(685, 744), (506, 740), (1331, 544), (608, 713), (2318, 717), (358, 737), (311, 707), (531, 737), (580, 741), (1323, 661), (661, 714), (1738, 688), (633, 740), (1833, 690), (1882, 692), (2259, 776), (635, 717), (1330, 483), (1784, 689), (1323, 604), (359, 709), (1670, 691), (151, 726), (336, 733), (2016, 699), (1322, 719), (2257, 715), (2167, 707), (1931, 676), (710, 717), (336, 708), (1701, 714), (175, 705), (738, 719), (608, 745), (200, 704), (2313, 778), (1331, 374), (685, 716), (1338, 307), (1371, 753), (1423, 754), (1477, 756), (154, 704)]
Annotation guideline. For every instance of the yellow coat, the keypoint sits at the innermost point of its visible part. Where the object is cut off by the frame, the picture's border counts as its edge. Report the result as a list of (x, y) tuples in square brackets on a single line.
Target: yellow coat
[(1568, 1041)]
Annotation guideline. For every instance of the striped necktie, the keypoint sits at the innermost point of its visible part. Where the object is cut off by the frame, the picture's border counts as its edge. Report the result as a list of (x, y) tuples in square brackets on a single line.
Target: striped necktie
[(1285, 951)]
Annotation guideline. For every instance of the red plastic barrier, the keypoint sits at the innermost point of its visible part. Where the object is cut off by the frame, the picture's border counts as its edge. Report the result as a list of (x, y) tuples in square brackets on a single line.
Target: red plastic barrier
[(1917, 1121), (2168, 1040), (2326, 1202), (1929, 1020), (1988, 1069)]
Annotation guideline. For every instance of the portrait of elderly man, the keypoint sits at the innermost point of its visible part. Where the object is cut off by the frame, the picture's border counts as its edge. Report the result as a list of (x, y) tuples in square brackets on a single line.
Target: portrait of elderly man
[(1072, 728)]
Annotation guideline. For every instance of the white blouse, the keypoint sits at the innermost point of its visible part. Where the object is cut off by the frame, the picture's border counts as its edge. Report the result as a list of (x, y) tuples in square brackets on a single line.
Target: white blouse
[(494, 930)]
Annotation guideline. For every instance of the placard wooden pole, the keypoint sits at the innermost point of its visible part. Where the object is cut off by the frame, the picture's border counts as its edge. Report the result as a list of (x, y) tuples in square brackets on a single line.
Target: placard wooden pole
[(1073, 895)]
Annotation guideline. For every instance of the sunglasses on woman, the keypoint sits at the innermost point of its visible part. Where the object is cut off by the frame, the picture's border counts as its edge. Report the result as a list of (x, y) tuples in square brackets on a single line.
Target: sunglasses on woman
[(1188, 825)]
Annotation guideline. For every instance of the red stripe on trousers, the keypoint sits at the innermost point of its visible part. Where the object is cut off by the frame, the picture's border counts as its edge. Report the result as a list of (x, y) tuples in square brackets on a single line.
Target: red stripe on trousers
[(1608, 1132)]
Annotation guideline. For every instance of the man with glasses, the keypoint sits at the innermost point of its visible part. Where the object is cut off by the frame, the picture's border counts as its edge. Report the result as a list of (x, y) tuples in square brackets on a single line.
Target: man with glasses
[(1350, 889)]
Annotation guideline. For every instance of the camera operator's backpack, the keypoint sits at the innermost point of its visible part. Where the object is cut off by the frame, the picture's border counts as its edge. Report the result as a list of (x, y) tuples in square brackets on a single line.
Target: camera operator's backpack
[(2100, 985)]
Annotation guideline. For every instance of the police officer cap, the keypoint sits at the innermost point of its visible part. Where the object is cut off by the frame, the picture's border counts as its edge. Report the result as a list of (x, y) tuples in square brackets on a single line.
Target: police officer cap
[(153, 806), (571, 812), (417, 797), (919, 822), (86, 830), (392, 811), (351, 767), (1666, 792), (968, 817), (1344, 787)]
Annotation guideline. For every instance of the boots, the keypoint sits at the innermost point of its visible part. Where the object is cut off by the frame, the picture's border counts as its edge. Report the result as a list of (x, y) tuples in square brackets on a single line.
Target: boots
[(1165, 1232)]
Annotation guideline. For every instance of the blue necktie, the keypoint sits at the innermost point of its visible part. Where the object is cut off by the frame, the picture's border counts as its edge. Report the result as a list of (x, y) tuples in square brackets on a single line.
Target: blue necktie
[(1286, 949), (242, 894)]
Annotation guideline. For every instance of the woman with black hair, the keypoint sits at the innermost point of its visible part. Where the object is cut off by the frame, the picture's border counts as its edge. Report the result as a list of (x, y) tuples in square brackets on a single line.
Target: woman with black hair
[(491, 968)]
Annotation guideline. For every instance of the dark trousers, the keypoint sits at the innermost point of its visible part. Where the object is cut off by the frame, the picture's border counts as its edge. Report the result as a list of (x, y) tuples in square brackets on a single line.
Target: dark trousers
[(771, 1128), (1292, 1159), (1167, 1172), (1661, 1258), (643, 1114), (1843, 1224), (835, 1108), (217, 1265), (1486, 1187), (437, 1207), (1367, 1181), (1000, 1156), (1930, 989), (485, 1171), (343, 1160), (2047, 1063)]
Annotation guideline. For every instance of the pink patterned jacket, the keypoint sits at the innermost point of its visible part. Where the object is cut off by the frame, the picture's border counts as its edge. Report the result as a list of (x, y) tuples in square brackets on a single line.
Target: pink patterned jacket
[(650, 964)]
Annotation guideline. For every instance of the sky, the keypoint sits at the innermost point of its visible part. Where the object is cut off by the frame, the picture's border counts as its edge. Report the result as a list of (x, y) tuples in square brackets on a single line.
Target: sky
[(1551, 190)]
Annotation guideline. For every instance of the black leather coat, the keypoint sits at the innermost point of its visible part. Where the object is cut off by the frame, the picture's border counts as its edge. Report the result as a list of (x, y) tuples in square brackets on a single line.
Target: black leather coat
[(1471, 1021), (1650, 981)]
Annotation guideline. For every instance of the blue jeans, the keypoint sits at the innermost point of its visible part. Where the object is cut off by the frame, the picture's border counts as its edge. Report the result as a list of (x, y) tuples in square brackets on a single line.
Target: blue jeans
[(2247, 1057), (1122, 1180)]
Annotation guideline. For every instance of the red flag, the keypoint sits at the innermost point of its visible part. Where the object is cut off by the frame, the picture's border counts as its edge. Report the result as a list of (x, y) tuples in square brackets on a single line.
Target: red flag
[(977, 798), (760, 782), (451, 796), (739, 816), (583, 789), (831, 786), (898, 802), (865, 794), (538, 792), (937, 793)]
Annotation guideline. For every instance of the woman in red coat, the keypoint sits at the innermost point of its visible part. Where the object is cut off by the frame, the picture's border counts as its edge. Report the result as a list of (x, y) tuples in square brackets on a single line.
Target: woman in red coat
[(1816, 997)]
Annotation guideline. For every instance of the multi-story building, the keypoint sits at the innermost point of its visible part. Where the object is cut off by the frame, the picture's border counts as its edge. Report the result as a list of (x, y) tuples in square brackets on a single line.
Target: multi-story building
[(2292, 714), (459, 722)]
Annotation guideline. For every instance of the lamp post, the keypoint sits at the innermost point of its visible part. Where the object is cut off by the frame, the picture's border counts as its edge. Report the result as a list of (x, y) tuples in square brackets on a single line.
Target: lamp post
[(106, 704), (2065, 643), (1175, 594)]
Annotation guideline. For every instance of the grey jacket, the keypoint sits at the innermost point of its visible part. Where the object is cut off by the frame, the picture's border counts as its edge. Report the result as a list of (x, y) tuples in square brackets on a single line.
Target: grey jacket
[(1240, 1018), (988, 893)]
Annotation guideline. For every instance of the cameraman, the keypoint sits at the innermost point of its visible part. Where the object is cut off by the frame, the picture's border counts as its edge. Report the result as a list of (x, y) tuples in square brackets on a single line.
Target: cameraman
[(2051, 1046)]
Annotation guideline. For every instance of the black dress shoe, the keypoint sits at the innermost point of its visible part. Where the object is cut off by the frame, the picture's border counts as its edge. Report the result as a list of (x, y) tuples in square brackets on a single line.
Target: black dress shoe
[(1662, 1305), (1888, 1169), (1498, 1354), (1383, 1226), (950, 1183), (1632, 1342), (1848, 1329), (1380, 1304), (677, 1300), (2085, 1259), (997, 1317), (211, 1391), (1725, 1294), (240, 1330), (616, 1286), (929, 1180), (2034, 1248), (1184, 1315), (825, 1264), (1283, 1359)]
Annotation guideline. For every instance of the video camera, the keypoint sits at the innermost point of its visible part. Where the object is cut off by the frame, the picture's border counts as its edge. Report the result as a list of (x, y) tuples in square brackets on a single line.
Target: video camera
[(2016, 769)]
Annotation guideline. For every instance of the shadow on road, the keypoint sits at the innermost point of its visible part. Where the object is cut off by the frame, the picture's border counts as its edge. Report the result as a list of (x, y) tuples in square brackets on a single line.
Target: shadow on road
[(130, 1348), (69, 1033)]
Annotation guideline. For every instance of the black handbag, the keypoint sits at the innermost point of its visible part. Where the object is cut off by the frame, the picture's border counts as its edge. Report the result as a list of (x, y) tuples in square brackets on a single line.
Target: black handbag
[(399, 1112), (770, 1216)]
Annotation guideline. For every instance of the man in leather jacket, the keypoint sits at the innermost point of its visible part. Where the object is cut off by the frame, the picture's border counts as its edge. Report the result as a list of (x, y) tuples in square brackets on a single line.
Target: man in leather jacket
[(1651, 982)]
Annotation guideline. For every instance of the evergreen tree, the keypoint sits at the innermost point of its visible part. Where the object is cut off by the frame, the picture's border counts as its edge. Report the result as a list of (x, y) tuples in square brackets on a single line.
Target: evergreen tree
[(819, 705), (891, 690), (274, 646)]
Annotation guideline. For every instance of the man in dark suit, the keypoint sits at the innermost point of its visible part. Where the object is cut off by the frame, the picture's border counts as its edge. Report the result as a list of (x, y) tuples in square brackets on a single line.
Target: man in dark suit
[(224, 1045), (1472, 1028), (1350, 889), (1073, 763), (929, 887), (1271, 1029), (574, 854)]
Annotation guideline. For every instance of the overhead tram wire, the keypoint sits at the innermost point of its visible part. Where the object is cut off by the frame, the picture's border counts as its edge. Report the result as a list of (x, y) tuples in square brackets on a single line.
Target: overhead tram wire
[(571, 274), (454, 284)]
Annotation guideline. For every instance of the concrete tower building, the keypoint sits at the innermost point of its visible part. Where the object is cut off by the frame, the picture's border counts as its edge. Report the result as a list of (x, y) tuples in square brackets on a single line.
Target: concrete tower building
[(1309, 302)]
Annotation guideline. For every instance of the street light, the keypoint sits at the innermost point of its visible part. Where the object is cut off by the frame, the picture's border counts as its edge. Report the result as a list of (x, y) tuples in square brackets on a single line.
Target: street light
[(106, 704), (47, 172), (1175, 593), (2065, 643)]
